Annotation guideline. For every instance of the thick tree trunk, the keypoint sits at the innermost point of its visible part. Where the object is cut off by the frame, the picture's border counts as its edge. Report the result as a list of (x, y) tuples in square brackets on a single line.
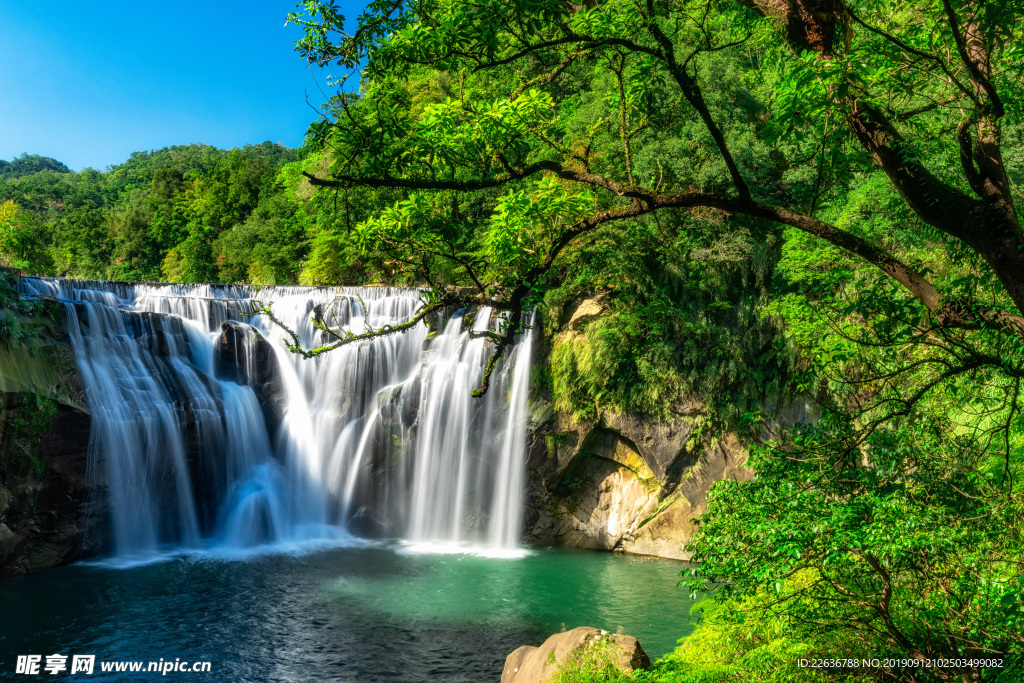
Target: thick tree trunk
[(987, 222)]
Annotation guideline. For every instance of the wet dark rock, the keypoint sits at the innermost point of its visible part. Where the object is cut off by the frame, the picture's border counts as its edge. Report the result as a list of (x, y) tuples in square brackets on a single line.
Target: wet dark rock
[(156, 333), (408, 399), (51, 505), (50, 513), (244, 356), (365, 525)]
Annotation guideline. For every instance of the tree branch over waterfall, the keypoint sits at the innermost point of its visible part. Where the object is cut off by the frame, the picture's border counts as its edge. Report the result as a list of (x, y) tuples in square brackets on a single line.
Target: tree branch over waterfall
[(493, 192), (342, 338)]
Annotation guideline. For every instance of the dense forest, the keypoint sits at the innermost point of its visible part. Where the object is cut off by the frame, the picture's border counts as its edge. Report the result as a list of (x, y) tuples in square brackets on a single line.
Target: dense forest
[(773, 200), (181, 214)]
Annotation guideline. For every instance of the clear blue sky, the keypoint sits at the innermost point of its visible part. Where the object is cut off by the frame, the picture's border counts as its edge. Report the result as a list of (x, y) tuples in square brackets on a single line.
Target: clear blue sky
[(88, 83)]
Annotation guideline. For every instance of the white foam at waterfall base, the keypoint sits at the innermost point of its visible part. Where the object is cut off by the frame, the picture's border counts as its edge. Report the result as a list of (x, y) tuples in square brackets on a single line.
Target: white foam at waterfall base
[(380, 438), (220, 553), (464, 548)]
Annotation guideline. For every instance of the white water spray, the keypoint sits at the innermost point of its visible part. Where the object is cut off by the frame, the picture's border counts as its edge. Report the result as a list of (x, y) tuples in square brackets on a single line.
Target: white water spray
[(208, 432)]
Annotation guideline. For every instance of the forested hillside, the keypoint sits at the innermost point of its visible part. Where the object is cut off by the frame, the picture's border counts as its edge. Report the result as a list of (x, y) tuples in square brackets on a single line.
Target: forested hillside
[(181, 214)]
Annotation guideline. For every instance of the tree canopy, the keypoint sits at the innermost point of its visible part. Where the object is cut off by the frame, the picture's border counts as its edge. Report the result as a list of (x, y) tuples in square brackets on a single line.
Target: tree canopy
[(185, 214), (852, 165), (765, 113), (27, 164)]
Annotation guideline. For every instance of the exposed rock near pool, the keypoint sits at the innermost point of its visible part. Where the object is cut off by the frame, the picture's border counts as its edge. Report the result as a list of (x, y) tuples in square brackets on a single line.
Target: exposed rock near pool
[(628, 483), (529, 664), (46, 514), (625, 481)]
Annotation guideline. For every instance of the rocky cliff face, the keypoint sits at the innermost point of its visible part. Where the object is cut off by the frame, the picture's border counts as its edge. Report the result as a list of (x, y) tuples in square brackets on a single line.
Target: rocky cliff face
[(46, 512), (627, 481), (47, 515)]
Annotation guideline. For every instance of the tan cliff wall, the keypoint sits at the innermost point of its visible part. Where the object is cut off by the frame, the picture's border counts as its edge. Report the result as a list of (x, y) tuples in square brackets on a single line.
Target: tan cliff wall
[(627, 481)]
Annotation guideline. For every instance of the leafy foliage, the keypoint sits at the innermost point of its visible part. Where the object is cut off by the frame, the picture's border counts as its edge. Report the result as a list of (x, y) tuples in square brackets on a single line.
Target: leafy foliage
[(762, 198), (707, 173), (190, 214), (682, 316), (901, 539)]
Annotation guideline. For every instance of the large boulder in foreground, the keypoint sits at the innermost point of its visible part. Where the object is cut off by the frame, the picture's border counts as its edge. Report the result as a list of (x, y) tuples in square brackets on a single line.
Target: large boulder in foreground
[(530, 664)]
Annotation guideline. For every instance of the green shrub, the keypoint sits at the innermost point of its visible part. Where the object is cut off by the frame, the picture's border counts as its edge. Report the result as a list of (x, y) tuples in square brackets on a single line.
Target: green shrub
[(594, 664)]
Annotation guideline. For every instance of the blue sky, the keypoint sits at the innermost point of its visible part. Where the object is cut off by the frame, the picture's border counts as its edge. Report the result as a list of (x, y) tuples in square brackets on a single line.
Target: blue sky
[(88, 83)]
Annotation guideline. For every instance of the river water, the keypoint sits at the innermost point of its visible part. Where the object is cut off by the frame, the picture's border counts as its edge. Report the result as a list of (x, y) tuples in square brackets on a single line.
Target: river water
[(369, 612)]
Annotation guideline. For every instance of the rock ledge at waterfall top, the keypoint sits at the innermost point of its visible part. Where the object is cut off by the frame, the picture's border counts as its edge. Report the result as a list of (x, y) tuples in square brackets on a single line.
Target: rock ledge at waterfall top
[(529, 664)]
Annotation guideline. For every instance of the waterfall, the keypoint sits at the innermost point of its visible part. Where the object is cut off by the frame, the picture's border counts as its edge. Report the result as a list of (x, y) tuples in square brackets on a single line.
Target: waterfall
[(208, 433)]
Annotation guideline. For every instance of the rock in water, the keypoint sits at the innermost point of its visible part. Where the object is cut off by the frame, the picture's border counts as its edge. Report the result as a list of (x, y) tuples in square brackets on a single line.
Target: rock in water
[(364, 525), (530, 664), (245, 357)]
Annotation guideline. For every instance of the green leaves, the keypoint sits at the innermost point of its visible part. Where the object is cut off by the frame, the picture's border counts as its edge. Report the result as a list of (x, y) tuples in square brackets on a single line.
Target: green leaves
[(406, 222), (678, 317), (11, 236), (862, 520), (456, 133), (526, 222)]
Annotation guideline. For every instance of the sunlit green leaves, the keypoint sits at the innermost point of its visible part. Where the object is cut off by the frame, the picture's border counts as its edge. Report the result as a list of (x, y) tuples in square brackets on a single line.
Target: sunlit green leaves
[(858, 520), (526, 222)]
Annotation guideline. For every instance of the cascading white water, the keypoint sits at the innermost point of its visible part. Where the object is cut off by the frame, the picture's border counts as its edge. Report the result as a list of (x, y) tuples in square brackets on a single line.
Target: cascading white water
[(208, 431)]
